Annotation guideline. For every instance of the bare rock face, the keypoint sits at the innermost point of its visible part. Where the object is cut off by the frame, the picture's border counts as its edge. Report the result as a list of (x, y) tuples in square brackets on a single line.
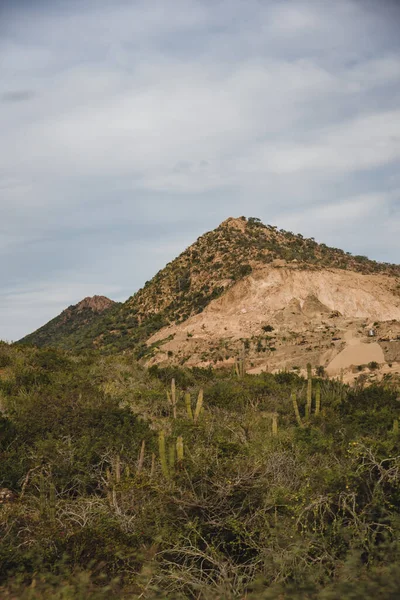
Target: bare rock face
[(97, 304), (314, 315), (94, 305)]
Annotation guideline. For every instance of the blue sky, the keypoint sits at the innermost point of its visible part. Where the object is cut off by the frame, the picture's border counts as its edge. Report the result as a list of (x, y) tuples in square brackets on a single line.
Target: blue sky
[(129, 128)]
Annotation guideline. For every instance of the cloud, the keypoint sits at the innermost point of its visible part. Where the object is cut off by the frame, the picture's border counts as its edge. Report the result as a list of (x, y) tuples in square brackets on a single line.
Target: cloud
[(376, 215), (128, 129), (363, 143), (17, 96)]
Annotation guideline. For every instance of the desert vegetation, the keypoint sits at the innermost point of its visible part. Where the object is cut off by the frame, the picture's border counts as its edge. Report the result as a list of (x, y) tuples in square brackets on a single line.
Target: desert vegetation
[(122, 482)]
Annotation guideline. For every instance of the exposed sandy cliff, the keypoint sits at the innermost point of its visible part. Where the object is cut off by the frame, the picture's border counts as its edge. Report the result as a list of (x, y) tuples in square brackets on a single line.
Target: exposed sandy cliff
[(318, 315)]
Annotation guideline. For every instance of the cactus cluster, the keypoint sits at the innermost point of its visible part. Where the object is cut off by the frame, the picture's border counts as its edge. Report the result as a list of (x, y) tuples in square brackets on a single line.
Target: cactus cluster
[(174, 458), (309, 398), (240, 363), (173, 397)]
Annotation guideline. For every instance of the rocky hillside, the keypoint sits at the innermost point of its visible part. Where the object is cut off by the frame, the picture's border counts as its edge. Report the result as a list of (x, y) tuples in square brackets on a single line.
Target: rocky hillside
[(220, 258), (241, 256), (287, 316), (64, 331)]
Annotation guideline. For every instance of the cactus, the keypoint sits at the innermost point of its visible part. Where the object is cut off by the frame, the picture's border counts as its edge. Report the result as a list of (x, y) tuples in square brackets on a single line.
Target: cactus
[(179, 449), (275, 424), (395, 426), (163, 457), (240, 363), (52, 503), (188, 404), (173, 397), (317, 398), (141, 457), (296, 409), (199, 406), (309, 391)]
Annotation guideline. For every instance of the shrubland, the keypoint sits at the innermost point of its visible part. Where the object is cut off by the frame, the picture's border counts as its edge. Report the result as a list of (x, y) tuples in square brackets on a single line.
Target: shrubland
[(123, 482)]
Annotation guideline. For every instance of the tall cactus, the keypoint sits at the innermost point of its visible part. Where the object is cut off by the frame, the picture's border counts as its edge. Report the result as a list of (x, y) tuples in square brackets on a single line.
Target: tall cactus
[(188, 404), (275, 424), (395, 426), (172, 398), (163, 456), (243, 361), (199, 406), (240, 363), (317, 398), (309, 391), (296, 409), (179, 450)]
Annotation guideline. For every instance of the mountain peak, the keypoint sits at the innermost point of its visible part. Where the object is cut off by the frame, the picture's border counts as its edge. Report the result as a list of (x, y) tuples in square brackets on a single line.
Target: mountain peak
[(235, 222), (97, 304), (64, 330)]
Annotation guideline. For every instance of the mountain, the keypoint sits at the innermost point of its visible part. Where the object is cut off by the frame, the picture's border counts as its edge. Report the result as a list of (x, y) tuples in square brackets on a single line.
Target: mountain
[(288, 298), (64, 330)]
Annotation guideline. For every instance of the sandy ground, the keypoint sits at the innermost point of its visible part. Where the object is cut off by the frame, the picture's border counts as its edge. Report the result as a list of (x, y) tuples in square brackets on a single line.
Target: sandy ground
[(356, 354)]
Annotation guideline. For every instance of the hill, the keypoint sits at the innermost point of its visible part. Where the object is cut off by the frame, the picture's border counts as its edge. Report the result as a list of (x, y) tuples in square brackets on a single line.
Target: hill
[(229, 285), (64, 330)]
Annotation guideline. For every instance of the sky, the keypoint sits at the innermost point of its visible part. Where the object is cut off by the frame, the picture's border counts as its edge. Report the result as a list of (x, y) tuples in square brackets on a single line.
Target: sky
[(129, 128)]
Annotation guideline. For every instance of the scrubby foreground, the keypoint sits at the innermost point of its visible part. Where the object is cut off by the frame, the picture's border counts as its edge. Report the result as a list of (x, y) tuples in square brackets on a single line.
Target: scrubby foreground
[(114, 488)]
